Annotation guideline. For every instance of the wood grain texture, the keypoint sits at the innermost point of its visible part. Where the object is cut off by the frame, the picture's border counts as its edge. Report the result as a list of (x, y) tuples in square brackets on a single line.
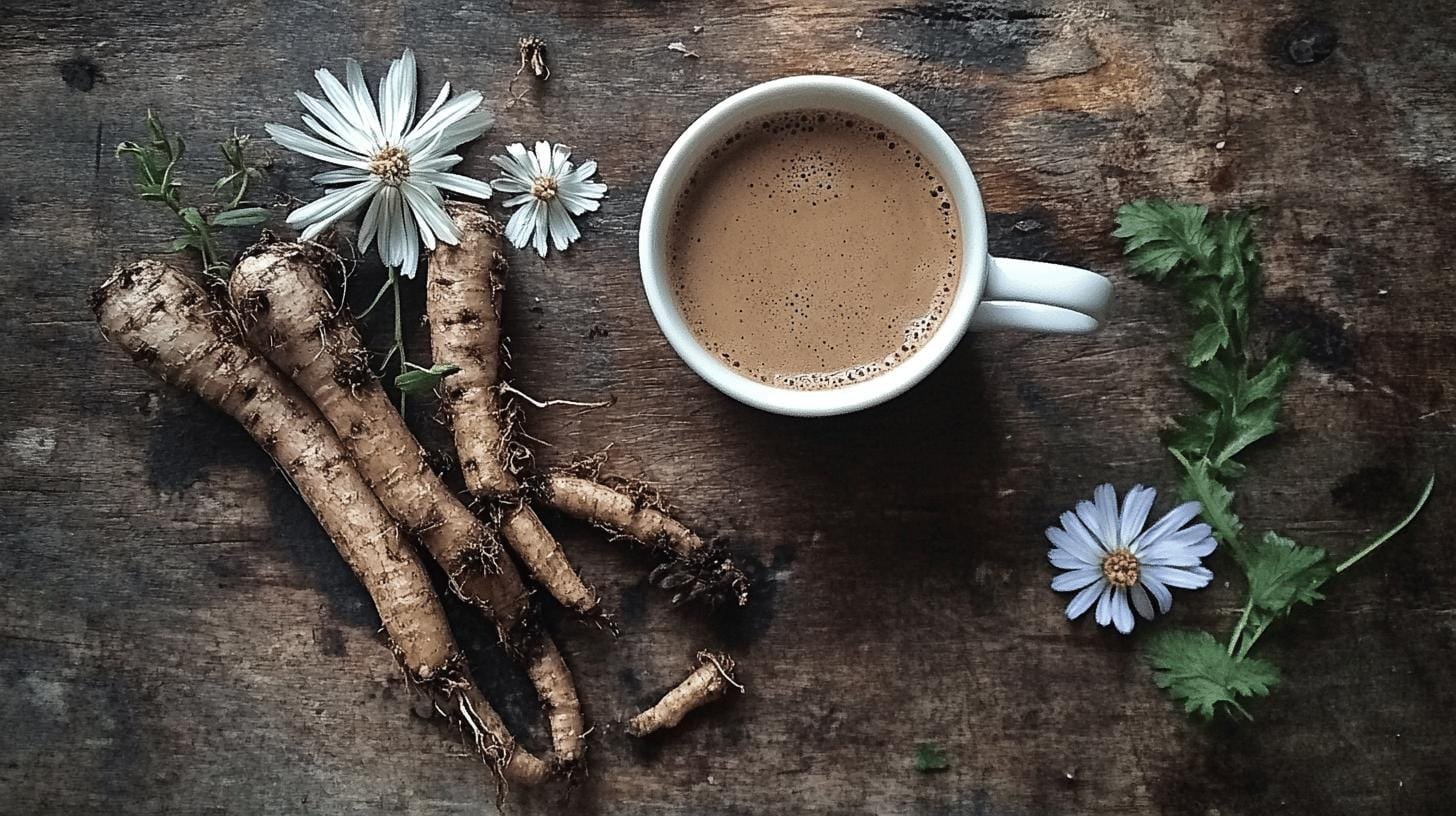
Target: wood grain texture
[(176, 636)]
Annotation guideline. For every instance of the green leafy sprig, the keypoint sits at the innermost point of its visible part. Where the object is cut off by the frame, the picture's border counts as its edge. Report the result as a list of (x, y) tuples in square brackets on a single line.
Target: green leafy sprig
[(1212, 261), (155, 178)]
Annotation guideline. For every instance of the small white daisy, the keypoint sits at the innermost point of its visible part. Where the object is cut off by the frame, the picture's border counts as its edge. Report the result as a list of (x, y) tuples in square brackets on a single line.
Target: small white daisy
[(549, 191), (1113, 562), (392, 162)]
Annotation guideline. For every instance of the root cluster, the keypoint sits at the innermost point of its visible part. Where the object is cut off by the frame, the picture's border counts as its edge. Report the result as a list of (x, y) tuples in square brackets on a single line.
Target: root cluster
[(278, 353)]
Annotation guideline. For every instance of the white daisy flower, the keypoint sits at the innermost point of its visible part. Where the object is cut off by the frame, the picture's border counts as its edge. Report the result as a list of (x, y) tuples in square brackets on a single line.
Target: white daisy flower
[(1113, 562), (549, 191), (391, 161)]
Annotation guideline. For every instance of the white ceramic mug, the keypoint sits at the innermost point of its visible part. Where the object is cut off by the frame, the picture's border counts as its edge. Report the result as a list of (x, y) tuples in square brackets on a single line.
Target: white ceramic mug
[(994, 293)]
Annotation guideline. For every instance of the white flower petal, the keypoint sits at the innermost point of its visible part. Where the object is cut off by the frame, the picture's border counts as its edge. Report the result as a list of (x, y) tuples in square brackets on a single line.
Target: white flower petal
[(1183, 548), (339, 97), (576, 205), (542, 228), (1078, 548), (1195, 578), (516, 201), (1204, 548), (1076, 579), (1175, 519), (559, 164), (456, 183), (1077, 530), (542, 160), (586, 170), (457, 133), (1181, 539), (397, 96), (1062, 559), (429, 212), (348, 175), (1104, 501), (1140, 601), (1158, 589), (370, 225), (338, 122), (334, 205), (518, 228), (439, 100), (1104, 605), (363, 103), (1121, 612), (1135, 507), (563, 230), (411, 261), (511, 184), (435, 164), (391, 228), (299, 142), (1171, 558), (328, 135), (1083, 600), (427, 129), (516, 164)]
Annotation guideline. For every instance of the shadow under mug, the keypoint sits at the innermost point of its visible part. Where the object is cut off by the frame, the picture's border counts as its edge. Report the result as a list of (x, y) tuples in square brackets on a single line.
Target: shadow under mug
[(994, 293)]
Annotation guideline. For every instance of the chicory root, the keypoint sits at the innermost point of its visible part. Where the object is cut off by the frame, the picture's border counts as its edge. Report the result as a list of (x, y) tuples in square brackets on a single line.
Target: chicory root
[(171, 326), (287, 313), (706, 683), (463, 300), (693, 569)]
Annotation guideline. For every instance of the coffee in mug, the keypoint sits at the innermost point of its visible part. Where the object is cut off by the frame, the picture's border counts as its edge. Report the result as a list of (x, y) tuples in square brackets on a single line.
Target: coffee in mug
[(814, 249)]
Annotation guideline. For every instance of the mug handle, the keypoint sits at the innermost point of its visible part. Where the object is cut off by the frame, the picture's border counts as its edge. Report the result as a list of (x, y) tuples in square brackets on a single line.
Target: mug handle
[(1042, 297)]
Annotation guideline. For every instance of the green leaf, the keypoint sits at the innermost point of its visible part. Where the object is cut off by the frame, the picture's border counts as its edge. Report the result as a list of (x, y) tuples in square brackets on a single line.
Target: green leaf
[(1192, 436), (1283, 573), (1159, 237), (193, 218), (183, 242), (1245, 428), (423, 380), (1197, 671), (930, 758), (241, 217), (1207, 341), (1270, 381), (1200, 485)]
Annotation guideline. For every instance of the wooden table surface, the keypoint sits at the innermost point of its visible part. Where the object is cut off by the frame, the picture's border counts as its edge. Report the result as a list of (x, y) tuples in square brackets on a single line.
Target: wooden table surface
[(177, 635)]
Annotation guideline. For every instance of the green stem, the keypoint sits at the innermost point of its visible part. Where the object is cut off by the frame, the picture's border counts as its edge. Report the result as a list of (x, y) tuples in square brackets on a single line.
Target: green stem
[(1251, 640), (398, 329), (378, 296), (1239, 627), (1389, 534)]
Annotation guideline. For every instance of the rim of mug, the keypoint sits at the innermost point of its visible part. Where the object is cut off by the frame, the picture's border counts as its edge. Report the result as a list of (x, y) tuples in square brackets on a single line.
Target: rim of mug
[(689, 151)]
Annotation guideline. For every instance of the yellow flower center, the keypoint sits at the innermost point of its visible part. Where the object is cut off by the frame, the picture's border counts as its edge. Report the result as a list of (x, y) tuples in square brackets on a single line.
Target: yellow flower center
[(391, 165), (1120, 568), (544, 188)]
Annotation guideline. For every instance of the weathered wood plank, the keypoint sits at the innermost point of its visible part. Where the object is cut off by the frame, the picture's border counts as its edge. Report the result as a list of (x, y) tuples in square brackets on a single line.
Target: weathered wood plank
[(177, 636)]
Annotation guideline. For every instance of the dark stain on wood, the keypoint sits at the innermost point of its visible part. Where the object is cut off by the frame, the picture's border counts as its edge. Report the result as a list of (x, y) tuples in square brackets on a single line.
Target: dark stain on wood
[(1370, 489), (189, 438), (330, 640), (965, 34), (1324, 334), (1311, 41), (81, 73)]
